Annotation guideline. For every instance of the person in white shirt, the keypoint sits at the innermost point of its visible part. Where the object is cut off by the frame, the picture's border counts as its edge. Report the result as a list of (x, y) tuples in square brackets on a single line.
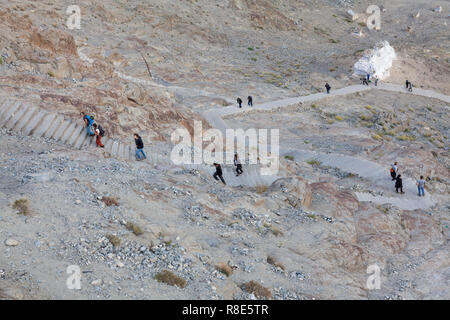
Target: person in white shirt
[(238, 165)]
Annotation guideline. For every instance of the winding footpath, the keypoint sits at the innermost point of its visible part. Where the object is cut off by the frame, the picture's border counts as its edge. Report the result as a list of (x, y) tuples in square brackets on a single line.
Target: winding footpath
[(365, 169), (19, 116)]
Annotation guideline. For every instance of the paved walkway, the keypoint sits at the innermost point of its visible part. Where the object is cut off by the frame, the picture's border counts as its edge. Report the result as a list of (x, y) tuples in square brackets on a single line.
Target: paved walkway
[(366, 169)]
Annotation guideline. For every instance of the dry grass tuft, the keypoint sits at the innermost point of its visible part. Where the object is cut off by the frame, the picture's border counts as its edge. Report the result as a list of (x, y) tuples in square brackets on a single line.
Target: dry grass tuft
[(261, 189), (170, 278), (22, 205), (134, 228), (257, 289), (273, 261), (115, 240), (110, 201), (277, 232), (224, 268)]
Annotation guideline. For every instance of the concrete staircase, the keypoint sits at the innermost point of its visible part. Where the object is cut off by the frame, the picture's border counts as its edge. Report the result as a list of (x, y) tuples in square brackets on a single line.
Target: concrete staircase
[(20, 117)]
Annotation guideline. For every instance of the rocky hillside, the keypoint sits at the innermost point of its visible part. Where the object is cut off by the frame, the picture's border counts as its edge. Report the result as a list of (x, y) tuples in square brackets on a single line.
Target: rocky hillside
[(154, 230)]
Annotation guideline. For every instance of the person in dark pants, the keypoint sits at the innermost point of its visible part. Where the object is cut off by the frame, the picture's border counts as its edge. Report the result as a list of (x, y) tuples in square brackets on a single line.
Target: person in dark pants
[(399, 183), (410, 86), (140, 155), (238, 165), (364, 82), (218, 173), (407, 84), (327, 86), (239, 101), (250, 101)]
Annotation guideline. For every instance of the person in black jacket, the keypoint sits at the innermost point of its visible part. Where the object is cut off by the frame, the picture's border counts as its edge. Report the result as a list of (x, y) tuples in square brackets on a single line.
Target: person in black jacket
[(218, 173), (250, 101), (238, 165), (399, 183), (328, 87), (239, 101), (139, 148)]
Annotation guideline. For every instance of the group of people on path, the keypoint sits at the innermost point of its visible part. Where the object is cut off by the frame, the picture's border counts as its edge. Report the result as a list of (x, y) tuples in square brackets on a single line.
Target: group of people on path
[(366, 80), (94, 129), (218, 174), (399, 182), (249, 101)]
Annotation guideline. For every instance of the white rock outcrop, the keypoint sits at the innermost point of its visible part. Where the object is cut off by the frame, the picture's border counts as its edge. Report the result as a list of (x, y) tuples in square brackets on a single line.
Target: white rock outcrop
[(376, 61)]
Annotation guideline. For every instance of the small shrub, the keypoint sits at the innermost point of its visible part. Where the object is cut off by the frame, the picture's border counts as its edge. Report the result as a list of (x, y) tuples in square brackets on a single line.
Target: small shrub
[(1, 60), (338, 118), (390, 133), (115, 240), (330, 121), (313, 162), (257, 289), (22, 205), (369, 107), (250, 49), (109, 201), (170, 278), (311, 216), (224, 268), (377, 137), (273, 261), (406, 138), (289, 157), (134, 228), (362, 24)]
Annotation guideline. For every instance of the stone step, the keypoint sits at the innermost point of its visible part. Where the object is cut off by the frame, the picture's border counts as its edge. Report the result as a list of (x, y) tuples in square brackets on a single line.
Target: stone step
[(129, 152), (25, 119), (120, 152), (16, 116), (54, 126), (76, 135), (61, 130), (9, 112), (44, 125), (69, 132), (114, 149), (81, 139), (108, 145), (4, 103), (88, 142), (34, 123)]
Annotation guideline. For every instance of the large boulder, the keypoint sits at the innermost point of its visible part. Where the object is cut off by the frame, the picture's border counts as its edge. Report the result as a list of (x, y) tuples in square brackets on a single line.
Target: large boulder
[(297, 190)]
